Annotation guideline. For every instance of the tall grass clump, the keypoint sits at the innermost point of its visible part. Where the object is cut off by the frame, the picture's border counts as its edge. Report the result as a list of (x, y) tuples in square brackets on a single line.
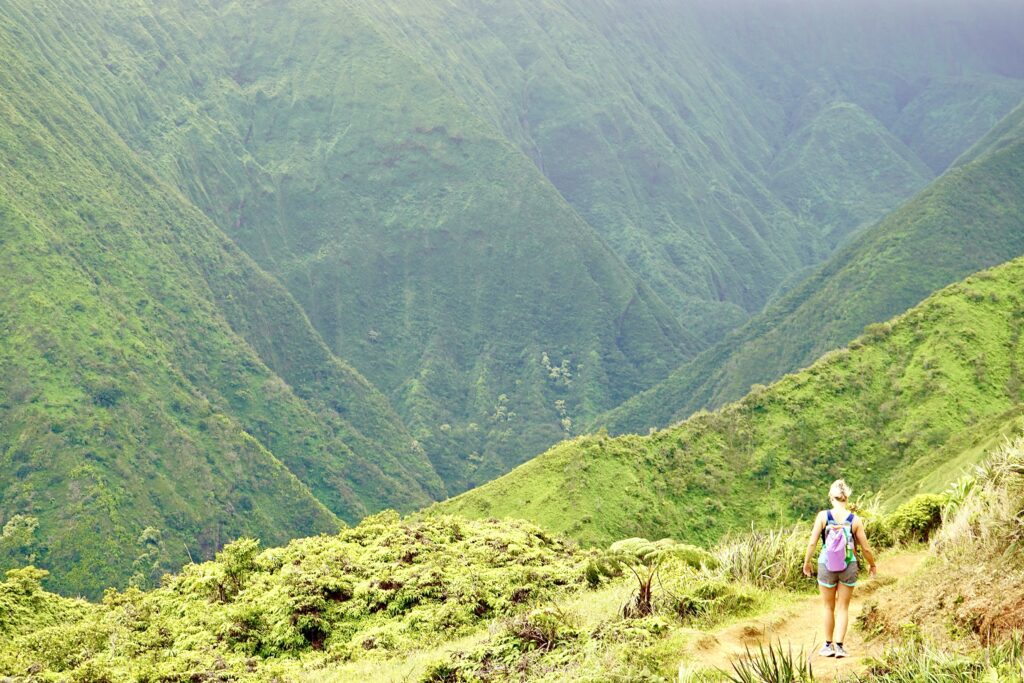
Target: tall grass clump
[(916, 661), (989, 512), (766, 559), (771, 665)]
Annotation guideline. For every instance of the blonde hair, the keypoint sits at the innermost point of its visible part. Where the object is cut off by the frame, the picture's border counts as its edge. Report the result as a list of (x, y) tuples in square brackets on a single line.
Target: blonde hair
[(839, 490)]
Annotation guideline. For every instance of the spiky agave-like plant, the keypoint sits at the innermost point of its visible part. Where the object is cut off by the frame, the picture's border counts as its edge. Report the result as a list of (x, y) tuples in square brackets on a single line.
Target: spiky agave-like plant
[(771, 665), (644, 559)]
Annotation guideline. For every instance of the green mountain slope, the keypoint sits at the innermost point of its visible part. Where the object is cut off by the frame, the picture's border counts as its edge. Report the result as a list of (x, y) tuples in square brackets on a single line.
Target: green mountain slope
[(1005, 133), (974, 105), (423, 246), (507, 236), (900, 403), (968, 219), (842, 169), (152, 375)]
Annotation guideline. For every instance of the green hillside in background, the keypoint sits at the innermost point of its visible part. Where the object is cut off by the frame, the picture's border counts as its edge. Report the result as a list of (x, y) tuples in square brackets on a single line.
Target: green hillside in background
[(907, 405), (618, 184), (682, 131), (970, 218)]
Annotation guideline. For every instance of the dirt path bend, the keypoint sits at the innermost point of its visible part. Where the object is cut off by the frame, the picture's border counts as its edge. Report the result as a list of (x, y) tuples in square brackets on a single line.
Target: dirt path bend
[(798, 626)]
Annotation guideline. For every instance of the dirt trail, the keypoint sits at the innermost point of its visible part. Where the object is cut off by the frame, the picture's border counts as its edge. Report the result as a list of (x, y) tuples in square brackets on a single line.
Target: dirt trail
[(799, 626)]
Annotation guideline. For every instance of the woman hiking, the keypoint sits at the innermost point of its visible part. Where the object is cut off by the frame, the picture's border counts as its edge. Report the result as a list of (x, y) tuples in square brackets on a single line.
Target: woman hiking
[(841, 533)]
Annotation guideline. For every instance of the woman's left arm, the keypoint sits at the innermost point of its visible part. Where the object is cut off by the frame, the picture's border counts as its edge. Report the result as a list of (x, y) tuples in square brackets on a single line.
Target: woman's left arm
[(819, 524)]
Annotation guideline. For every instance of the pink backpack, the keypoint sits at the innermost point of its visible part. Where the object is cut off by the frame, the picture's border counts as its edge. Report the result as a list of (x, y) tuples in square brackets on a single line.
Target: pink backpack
[(838, 543)]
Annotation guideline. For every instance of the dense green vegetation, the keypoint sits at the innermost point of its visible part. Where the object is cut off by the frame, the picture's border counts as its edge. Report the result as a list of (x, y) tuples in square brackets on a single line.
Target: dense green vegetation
[(968, 219), (717, 146), (369, 599), (381, 588), (913, 399), (429, 599), (439, 597), (353, 177)]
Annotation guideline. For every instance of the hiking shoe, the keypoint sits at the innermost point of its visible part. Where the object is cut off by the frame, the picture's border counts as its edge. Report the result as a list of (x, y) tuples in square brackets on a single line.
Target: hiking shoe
[(827, 651), (840, 651)]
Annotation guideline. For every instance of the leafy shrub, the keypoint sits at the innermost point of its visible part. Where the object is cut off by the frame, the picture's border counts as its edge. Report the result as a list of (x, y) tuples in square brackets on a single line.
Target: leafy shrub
[(917, 661), (644, 559), (710, 599), (987, 514), (600, 567), (915, 520), (878, 533), (106, 395), (25, 581), (542, 629), (443, 671)]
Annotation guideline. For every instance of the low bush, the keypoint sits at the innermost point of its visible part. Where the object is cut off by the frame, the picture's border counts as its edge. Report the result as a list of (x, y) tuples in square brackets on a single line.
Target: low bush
[(709, 600), (772, 665), (916, 520)]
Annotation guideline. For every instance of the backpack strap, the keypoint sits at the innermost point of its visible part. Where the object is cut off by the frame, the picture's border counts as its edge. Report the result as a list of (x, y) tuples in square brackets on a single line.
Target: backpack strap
[(824, 529), (849, 520)]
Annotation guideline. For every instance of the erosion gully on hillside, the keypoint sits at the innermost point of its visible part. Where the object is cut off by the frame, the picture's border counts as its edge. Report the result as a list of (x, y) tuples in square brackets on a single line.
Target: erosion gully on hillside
[(798, 628)]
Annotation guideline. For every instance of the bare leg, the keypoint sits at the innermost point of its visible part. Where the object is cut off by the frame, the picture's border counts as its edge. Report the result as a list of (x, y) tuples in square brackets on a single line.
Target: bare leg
[(828, 604), (843, 595)]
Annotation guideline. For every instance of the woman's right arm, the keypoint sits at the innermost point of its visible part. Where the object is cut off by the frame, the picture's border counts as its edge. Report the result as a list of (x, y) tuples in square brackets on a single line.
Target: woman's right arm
[(819, 524), (865, 547)]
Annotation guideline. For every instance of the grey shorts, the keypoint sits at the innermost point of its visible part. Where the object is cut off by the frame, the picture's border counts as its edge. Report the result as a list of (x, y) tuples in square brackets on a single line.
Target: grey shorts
[(829, 579)]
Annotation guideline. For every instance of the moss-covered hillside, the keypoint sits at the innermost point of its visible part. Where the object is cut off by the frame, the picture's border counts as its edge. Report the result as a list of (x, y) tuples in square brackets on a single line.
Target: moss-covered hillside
[(913, 400)]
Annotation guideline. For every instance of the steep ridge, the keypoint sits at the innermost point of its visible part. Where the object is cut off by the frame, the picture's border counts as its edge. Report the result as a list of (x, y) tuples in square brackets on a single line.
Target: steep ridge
[(138, 387), (424, 247), (1005, 133), (968, 219), (902, 402)]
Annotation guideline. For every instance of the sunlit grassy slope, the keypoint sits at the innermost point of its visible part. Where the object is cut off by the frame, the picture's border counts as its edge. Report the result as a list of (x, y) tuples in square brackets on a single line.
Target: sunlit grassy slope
[(898, 405), (968, 219)]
